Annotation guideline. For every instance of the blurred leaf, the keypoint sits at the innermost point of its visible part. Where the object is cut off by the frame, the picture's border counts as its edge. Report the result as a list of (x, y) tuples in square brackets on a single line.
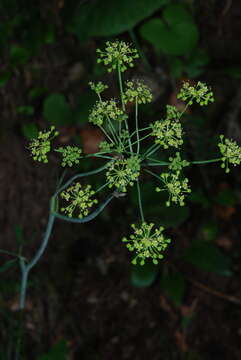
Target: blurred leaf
[(37, 92), (58, 352), (19, 55), (171, 216), (25, 110), (144, 275), (175, 34), (234, 72), (226, 197), (106, 18), (197, 61), (174, 285), (198, 197), (176, 14), (8, 265), (57, 111), (30, 131), (4, 77), (176, 67), (81, 113), (210, 230), (208, 257)]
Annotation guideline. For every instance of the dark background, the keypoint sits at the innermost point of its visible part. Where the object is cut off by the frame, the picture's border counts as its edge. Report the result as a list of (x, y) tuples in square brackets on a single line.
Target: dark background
[(85, 300)]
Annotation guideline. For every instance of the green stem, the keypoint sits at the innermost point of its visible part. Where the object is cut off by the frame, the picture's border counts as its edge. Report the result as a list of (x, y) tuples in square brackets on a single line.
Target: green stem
[(140, 201), (139, 140), (143, 129), (152, 150), (205, 161), (123, 106), (153, 174), (137, 127), (106, 134)]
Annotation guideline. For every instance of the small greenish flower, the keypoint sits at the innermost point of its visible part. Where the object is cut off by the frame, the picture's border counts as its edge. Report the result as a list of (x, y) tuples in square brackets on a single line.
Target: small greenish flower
[(98, 88), (177, 164), (172, 113), (40, 146), (123, 172), (200, 92), (137, 91), (80, 200), (103, 110), (71, 155), (231, 153), (146, 243), (117, 54), (167, 133), (176, 187), (105, 146)]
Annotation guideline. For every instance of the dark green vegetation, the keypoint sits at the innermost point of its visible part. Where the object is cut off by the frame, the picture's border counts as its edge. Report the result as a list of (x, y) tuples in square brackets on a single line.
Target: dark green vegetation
[(85, 300)]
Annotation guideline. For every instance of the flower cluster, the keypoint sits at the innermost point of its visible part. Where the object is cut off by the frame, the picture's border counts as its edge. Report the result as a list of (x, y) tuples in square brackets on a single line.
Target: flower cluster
[(172, 112), (137, 91), (199, 92), (117, 54), (231, 153), (177, 188), (103, 110), (98, 88), (79, 198), (71, 155), (177, 164), (123, 172), (146, 243), (167, 133), (42, 145)]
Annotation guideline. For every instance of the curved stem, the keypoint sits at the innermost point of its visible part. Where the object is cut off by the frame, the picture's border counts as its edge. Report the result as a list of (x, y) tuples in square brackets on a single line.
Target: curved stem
[(140, 201)]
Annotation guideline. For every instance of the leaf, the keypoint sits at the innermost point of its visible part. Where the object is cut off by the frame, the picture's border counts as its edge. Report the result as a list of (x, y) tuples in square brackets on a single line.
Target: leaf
[(144, 275), (25, 110), (30, 131), (4, 78), (81, 113), (174, 285), (57, 111), (19, 55), (233, 71), (107, 17), (176, 14), (208, 257), (58, 352), (178, 39), (8, 265), (226, 197)]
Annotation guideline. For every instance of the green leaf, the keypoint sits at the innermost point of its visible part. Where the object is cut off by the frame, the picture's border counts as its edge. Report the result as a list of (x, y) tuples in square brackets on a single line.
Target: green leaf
[(19, 55), (226, 197), (176, 14), (233, 71), (176, 67), (25, 110), (144, 275), (37, 92), (198, 197), (177, 39), (58, 352), (208, 257), (106, 18), (4, 78), (30, 131), (81, 113), (174, 285), (8, 265), (57, 111)]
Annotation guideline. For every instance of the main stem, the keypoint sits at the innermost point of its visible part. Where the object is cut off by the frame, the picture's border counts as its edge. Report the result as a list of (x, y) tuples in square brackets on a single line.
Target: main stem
[(137, 127), (140, 201), (26, 268), (123, 106)]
